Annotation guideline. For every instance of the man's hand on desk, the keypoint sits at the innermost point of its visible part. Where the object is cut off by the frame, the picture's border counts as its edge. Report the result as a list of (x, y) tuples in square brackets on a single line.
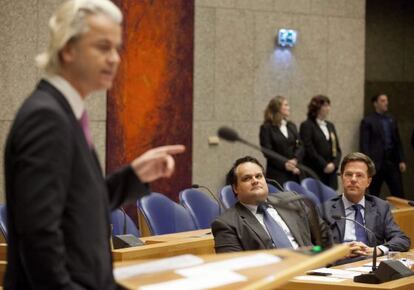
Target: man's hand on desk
[(360, 249)]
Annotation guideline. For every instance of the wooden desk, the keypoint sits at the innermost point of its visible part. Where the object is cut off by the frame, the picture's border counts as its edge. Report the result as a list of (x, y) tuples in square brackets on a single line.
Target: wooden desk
[(265, 277), (193, 242), (404, 217), (400, 284), (398, 202)]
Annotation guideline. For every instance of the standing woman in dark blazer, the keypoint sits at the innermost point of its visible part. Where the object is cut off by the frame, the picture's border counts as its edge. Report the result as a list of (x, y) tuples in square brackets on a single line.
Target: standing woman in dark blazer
[(281, 136), (322, 150)]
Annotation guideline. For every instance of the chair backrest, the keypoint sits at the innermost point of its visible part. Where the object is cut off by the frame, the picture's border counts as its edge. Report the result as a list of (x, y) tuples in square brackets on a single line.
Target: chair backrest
[(296, 187), (227, 196), (3, 220), (164, 216), (123, 224), (201, 207), (272, 189), (322, 191)]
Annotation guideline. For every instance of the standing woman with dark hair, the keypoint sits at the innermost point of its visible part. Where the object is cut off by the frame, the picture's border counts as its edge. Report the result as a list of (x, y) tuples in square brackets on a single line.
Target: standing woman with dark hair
[(281, 136), (322, 150)]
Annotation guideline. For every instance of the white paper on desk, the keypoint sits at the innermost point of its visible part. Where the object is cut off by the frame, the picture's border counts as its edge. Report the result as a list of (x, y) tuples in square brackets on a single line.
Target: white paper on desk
[(172, 263), (234, 264), (362, 269), (319, 279), (338, 273), (216, 279)]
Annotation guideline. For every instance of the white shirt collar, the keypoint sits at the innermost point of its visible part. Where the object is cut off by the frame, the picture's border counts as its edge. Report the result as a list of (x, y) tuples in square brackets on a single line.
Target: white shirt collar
[(251, 207), (348, 204), (320, 122), (283, 123), (69, 92)]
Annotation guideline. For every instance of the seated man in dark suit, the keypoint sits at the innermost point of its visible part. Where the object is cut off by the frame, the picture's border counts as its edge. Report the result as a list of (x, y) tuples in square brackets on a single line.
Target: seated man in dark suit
[(256, 221), (357, 170)]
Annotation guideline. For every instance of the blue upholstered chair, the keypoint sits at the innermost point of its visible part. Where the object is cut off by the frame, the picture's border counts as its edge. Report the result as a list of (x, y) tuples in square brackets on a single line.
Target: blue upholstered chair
[(3, 220), (272, 189), (296, 187), (322, 191), (202, 208), (123, 224), (227, 196), (165, 216)]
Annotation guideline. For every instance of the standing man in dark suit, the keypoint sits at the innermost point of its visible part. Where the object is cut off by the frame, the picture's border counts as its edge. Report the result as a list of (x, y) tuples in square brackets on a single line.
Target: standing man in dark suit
[(380, 140), (322, 150), (280, 135), (357, 170), (58, 202), (246, 226)]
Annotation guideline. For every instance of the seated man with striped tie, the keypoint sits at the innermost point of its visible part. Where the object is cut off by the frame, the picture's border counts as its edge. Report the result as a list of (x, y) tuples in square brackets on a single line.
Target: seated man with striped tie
[(345, 212), (258, 221)]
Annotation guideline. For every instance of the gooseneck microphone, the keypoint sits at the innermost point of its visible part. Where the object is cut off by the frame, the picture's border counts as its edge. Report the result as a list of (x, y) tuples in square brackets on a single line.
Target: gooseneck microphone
[(231, 135), (220, 203), (275, 183), (374, 254)]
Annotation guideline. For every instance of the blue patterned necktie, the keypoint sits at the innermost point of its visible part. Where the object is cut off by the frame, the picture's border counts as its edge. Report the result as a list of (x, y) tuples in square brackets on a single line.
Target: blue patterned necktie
[(278, 235), (360, 233)]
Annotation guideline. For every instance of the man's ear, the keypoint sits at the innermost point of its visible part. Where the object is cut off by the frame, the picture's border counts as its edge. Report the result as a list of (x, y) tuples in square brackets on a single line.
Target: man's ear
[(234, 187), (369, 180), (66, 54)]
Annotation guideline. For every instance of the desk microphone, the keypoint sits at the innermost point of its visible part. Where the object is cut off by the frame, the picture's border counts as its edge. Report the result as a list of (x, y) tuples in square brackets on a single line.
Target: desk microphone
[(387, 270), (220, 203)]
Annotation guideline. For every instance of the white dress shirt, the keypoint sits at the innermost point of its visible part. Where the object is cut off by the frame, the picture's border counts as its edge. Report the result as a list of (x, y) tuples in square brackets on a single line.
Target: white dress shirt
[(273, 213), (283, 128), (350, 226), (69, 92), (322, 124)]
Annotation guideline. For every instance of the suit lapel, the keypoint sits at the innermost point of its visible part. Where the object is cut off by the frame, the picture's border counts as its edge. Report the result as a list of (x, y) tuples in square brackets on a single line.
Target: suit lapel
[(291, 223), (370, 219), (46, 86), (337, 208), (251, 221)]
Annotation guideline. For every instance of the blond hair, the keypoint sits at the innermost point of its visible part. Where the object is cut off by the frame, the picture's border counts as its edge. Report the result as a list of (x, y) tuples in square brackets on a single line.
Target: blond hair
[(69, 22), (272, 113)]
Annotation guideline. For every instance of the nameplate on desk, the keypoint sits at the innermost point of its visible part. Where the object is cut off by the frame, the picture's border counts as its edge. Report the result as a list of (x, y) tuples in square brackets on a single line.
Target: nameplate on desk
[(126, 241)]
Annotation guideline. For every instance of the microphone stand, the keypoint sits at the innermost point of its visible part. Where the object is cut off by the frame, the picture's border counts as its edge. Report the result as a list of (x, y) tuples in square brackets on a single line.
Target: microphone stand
[(220, 203), (370, 278)]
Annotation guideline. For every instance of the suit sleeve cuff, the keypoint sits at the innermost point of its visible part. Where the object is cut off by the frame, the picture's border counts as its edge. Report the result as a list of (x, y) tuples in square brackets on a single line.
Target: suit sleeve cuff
[(384, 250)]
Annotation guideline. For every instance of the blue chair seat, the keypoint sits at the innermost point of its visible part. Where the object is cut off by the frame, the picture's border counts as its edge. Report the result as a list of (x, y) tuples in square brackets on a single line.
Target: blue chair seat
[(296, 187), (123, 224), (165, 216), (201, 207)]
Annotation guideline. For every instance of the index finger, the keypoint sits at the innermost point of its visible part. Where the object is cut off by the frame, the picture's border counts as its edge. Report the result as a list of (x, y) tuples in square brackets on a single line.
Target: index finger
[(170, 149)]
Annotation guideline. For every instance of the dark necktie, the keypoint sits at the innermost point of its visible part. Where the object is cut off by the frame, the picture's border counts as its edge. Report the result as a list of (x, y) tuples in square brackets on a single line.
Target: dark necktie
[(279, 237), (360, 233), (84, 121)]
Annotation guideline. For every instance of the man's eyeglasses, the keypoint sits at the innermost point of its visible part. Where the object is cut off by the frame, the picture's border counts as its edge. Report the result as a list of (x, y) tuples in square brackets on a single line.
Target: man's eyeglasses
[(358, 176)]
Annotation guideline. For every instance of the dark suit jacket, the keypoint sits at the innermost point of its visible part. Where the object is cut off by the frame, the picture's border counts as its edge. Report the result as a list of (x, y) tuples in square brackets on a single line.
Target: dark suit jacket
[(237, 229), (318, 150), (378, 218), (58, 202), (272, 138), (372, 140)]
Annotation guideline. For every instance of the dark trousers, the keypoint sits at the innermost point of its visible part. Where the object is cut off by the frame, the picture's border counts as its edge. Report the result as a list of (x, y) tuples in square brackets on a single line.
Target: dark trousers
[(390, 173)]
